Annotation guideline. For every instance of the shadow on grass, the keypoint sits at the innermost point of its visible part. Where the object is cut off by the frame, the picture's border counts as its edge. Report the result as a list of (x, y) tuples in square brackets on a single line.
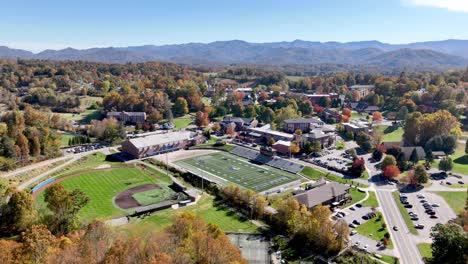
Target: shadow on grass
[(461, 160), (390, 129)]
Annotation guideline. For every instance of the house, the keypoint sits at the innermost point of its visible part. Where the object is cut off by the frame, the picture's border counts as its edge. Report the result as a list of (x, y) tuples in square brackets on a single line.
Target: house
[(331, 116), (145, 146), (128, 117), (323, 193), (409, 150), (357, 127), (304, 124), (315, 98), (438, 154), (363, 90), (282, 147), (240, 123)]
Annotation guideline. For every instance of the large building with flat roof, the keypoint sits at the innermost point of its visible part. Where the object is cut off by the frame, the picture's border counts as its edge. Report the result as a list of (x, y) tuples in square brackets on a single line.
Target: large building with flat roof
[(141, 147), (128, 117), (304, 124)]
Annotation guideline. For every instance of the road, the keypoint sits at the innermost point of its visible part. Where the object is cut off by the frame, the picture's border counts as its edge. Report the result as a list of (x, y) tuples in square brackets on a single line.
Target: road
[(402, 239), (73, 157)]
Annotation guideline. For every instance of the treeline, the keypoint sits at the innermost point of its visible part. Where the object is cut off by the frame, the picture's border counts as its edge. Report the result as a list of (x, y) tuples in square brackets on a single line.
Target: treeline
[(28, 135), (59, 237)]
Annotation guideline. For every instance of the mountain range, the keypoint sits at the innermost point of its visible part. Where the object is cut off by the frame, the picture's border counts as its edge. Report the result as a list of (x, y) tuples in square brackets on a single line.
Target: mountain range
[(439, 54)]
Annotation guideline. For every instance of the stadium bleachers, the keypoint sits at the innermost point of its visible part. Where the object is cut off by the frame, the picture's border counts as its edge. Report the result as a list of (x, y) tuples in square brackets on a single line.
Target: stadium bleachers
[(275, 162)]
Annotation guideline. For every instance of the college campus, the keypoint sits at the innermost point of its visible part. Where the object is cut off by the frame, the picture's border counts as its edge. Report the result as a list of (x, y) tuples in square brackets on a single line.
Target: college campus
[(234, 151)]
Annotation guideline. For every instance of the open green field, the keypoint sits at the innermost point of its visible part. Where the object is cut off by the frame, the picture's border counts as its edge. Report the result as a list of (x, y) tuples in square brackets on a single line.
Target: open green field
[(373, 229), (153, 196), (64, 139), (206, 208), (425, 250), (404, 213), (460, 160), (227, 168), (103, 185), (392, 134), (357, 115), (182, 122), (456, 200), (314, 174), (85, 117)]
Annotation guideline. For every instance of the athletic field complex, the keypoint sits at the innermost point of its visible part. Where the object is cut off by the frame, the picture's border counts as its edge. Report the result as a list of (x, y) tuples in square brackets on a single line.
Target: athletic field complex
[(225, 168)]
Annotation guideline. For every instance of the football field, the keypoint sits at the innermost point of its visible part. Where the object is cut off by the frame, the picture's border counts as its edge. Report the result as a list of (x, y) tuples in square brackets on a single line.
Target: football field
[(224, 168)]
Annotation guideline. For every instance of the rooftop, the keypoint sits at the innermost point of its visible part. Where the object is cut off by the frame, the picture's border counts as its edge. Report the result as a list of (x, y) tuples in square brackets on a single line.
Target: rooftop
[(159, 139), (282, 142), (272, 132), (321, 193), (302, 120)]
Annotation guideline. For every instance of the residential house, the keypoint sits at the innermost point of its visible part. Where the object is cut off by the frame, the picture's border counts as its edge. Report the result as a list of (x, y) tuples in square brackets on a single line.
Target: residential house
[(363, 90), (240, 123)]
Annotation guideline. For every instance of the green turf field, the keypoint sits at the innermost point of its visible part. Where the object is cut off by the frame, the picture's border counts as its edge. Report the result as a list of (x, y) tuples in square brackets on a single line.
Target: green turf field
[(154, 196), (211, 211), (226, 168), (102, 186)]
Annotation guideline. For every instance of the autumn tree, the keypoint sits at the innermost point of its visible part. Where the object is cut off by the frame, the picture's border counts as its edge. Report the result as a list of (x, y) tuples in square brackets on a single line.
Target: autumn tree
[(357, 167), (201, 119), (391, 171), (38, 242), (387, 161), (294, 148), (346, 112), (10, 251), (364, 141), (64, 206), (216, 127), (231, 130), (19, 213), (109, 130), (377, 116), (449, 244)]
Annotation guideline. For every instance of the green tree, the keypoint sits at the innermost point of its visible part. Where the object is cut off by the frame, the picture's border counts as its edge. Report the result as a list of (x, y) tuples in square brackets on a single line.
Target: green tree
[(466, 147), (449, 244), (387, 161), (414, 158), (364, 141), (446, 164), (180, 107), (64, 206), (421, 174)]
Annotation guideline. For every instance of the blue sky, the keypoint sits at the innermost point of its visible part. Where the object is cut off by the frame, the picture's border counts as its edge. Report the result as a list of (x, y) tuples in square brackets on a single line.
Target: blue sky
[(37, 25)]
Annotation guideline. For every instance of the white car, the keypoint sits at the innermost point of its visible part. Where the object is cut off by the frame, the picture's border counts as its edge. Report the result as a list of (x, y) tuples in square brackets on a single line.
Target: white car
[(353, 233)]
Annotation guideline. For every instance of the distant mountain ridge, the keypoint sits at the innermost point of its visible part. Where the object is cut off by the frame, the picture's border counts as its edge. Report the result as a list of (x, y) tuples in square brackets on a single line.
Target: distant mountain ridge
[(445, 54)]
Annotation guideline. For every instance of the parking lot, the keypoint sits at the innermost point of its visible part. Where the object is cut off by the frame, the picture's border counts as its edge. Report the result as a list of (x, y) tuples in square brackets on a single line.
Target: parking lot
[(443, 212), (332, 159), (360, 241)]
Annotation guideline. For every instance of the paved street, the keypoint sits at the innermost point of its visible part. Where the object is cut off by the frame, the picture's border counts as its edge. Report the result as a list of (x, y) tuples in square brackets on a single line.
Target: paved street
[(403, 240)]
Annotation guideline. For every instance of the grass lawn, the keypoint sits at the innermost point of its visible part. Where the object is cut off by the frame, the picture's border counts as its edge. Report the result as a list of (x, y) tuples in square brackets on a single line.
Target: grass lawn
[(371, 201), (356, 115), (314, 174), (404, 213), (425, 250), (356, 195), (233, 169), (64, 139), (392, 134), (182, 122), (102, 186), (373, 229), (153, 196), (456, 200), (84, 117), (340, 145), (460, 160), (206, 207), (389, 259)]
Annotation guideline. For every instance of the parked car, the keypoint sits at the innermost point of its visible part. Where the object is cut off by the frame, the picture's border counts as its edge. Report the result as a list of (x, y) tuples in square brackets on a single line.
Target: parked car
[(353, 233), (352, 225), (460, 182), (395, 228), (435, 205), (419, 226), (434, 216), (421, 196), (408, 206), (356, 222)]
